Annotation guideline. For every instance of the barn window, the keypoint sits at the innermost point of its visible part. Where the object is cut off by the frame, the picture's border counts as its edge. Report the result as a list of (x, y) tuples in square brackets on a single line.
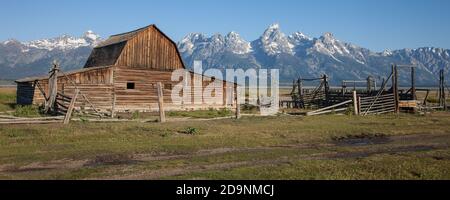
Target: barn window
[(130, 86), (168, 86)]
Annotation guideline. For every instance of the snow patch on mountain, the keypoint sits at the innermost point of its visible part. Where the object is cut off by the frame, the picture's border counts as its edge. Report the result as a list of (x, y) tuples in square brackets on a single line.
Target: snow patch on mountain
[(298, 38), (7, 42), (217, 43), (330, 45), (236, 44), (387, 52), (273, 41), (64, 42)]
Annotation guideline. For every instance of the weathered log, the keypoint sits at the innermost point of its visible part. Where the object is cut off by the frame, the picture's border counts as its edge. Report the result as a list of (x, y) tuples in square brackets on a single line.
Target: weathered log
[(162, 115), (72, 104), (329, 107)]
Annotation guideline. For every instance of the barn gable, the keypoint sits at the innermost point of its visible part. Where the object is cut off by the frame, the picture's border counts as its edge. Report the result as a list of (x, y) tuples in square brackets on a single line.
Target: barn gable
[(145, 48)]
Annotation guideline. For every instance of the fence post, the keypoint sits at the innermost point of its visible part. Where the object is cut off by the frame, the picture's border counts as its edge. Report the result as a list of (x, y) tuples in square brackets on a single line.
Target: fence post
[(443, 91), (395, 88), (359, 106), (300, 87), (413, 83), (111, 81), (113, 107), (162, 115), (440, 88), (369, 84), (355, 103), (442, 99), (238, 105), (327, 88), (53, 88)]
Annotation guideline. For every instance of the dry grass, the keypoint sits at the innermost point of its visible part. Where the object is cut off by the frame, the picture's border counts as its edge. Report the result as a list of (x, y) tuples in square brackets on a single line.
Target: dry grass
[(248, 148), (283, 147), (7, 99)]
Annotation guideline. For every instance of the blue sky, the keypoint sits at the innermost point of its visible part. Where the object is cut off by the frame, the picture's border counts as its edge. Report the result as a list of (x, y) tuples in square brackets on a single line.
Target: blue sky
[(375, 24)]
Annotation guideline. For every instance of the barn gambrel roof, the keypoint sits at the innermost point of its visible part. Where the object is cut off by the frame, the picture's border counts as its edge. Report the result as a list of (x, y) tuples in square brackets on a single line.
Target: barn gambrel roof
[(108, 51)]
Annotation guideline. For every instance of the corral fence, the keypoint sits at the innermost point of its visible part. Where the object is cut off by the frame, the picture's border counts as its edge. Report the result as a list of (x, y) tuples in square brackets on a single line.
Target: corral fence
[(372, 105), (376, 104)]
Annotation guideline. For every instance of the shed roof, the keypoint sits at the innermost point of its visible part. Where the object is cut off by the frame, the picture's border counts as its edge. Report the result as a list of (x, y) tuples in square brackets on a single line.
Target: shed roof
[(60, 74)]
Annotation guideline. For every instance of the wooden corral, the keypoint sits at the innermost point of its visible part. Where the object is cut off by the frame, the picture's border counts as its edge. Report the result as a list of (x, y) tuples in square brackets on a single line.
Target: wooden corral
[(372, 100), (122, 74)]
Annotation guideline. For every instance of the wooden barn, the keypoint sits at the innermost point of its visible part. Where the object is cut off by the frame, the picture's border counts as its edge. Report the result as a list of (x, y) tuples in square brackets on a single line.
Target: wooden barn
[(120, 75)]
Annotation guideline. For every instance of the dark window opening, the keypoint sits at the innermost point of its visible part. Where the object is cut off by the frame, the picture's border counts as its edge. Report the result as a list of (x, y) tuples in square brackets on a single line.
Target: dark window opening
[(168, 86), (130, 86)]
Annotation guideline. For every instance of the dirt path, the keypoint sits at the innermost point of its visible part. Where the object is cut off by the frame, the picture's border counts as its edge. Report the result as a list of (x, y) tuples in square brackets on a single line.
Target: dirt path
[(362, 147), (408, 143)]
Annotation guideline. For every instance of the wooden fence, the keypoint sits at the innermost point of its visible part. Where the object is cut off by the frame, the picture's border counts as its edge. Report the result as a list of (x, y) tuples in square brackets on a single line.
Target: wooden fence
[(377, 104), (340, 107)]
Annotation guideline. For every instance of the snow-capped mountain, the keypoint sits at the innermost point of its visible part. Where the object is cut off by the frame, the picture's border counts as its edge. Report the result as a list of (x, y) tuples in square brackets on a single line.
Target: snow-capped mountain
[(300, 55), (231, 48), (200, 44), (273, 42), (237, 45), (20, 59), (65, 42), (295, 55)]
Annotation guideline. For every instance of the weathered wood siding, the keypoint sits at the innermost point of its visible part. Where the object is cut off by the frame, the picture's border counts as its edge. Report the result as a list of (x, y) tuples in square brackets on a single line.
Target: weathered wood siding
[(92, 83), (102, 86), (100, 95), (144, 96), (39, 98), (150, 49)]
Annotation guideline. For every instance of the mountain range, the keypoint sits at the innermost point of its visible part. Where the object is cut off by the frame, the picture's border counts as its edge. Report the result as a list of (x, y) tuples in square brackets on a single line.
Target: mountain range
[(22, 59), (296, 55)]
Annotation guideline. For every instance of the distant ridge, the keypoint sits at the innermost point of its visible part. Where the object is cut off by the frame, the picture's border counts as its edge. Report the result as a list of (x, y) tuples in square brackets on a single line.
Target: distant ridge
[(295, 55)]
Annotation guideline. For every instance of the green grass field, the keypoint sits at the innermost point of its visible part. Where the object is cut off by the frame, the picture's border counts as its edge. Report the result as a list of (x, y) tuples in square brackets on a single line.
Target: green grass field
[(7, 99), (406, 146)]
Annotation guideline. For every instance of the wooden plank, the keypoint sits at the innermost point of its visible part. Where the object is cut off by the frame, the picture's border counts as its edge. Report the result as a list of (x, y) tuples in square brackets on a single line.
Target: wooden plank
[(238, 105), (42, 92), (364, 100), (10, 117), (375, 108), (61, 105), (72, 103), (32, 119), (395, 88), (391, 110), (378, 105), (365, 103), (355, 103), (408, 104), (53, 88), (327, 111), (113, 108), (78, 91), (330, 107), (371, 98), (33, 122), (162, 115)]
